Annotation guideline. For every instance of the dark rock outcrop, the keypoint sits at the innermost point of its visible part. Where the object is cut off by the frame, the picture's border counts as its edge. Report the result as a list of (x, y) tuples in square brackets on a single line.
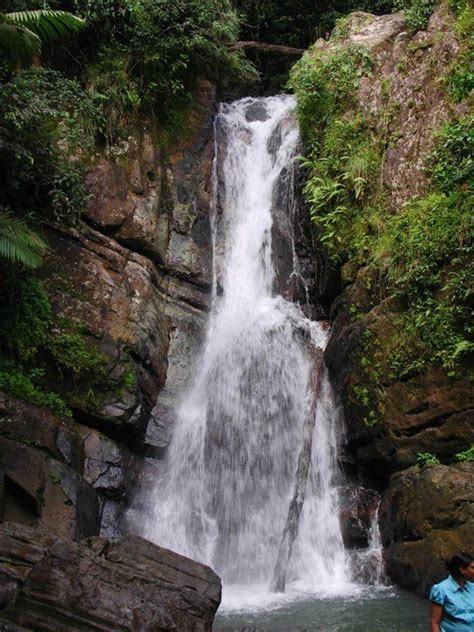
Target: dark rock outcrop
[(68, 478), (49, 584), (426, 516)]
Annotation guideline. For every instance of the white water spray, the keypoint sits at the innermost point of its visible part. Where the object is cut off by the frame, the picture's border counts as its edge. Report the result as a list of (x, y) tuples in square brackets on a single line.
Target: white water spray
[(231, 465)]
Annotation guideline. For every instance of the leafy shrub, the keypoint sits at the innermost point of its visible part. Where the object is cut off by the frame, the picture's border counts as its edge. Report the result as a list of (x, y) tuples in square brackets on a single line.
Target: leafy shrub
[(72, 353), (13, 380), (325, 83), (26, 318), (339, 183), (37, 348), (467, 455), (417, 12), (46, 123), (452, 162), (426, 458), (421, 254), (150, 59)]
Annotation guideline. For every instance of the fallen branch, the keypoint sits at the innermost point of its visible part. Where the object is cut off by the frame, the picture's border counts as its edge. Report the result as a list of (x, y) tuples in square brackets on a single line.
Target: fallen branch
[(270, 48)]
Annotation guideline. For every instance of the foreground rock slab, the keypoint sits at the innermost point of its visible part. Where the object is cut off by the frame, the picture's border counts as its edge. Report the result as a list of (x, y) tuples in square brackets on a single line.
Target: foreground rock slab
[(48, 584)]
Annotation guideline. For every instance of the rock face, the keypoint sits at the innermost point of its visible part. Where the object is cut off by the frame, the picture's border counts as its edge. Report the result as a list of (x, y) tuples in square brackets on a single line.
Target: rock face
[(53, 472), (133, 279), (135, 275), (49, 584), (425, 515)]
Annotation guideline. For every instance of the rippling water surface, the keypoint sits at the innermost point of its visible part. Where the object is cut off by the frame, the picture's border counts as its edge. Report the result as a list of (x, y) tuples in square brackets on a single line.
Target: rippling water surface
[(364, 610)]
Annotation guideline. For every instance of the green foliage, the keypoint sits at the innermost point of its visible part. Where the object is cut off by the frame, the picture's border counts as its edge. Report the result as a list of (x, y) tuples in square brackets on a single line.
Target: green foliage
[(13, 380), (452, 163), (325, 84), (425, 254), (26, 318), (460, 81), (46, 23), (339, 183), (466, 455), (152, 51), (421, 255), (22, 32), (73, 354), (426, 458), (129, 379), (18, 242), (420, 238), (299, 22), (37, 348), (417, 12), (46, 124)]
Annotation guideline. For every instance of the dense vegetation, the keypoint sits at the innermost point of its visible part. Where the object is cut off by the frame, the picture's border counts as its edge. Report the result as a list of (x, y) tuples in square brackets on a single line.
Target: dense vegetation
[(111, 64), (125, 62), (417, 261)]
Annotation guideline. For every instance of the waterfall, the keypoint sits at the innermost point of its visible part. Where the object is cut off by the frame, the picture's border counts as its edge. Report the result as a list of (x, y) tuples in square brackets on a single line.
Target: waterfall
[(250, 483), (368, 563)]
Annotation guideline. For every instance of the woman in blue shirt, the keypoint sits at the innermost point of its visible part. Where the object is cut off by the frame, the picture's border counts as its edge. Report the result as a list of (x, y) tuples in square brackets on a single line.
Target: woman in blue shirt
[(452, 600)]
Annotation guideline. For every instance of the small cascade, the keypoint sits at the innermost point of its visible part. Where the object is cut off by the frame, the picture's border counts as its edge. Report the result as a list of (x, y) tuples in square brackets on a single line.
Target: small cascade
[(251, 478), (368, 563)]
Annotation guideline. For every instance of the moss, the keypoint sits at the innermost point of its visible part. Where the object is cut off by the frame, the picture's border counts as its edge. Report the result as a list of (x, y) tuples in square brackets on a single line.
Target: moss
[(40, 348), (16, 382), (364, 390), (459, 81), (325, 82)]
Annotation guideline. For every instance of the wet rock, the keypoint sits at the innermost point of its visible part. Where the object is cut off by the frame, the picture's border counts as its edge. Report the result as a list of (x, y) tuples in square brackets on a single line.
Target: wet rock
[(23, 474), (359, 505), (426, 516), (37, 427), (71, 505), (113, 471), (256, 112), (130, 585), (41, 490)]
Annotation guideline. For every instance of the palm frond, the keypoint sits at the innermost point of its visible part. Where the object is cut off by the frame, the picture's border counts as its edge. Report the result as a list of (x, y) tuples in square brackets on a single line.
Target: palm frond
[(18, 43), (46, 23), (18, 242)]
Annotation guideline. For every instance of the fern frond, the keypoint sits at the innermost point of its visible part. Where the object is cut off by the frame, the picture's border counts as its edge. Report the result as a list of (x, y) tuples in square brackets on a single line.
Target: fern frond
[(18, 242), (18, 43), (46, 23)]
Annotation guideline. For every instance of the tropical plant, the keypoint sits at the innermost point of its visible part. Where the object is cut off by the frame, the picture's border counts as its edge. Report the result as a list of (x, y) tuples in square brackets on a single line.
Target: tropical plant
[(426, 458), (22, 32), (18, 242)]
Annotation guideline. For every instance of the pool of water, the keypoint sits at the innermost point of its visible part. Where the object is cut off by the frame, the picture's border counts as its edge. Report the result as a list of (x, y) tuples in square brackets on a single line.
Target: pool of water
[(363, 609)]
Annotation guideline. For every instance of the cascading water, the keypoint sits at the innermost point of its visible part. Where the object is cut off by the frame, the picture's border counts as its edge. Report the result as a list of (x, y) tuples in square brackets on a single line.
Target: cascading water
[(253, 458)]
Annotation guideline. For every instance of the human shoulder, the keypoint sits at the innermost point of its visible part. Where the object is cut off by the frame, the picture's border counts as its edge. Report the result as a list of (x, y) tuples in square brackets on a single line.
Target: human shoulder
[(439, 591)]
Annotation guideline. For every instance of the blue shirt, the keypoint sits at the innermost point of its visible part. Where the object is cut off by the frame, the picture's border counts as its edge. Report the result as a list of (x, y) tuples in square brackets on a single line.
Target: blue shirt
[(458, 605)]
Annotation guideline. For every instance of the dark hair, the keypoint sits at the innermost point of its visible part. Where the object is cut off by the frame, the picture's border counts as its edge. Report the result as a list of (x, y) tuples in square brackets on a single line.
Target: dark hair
[(458, 561)]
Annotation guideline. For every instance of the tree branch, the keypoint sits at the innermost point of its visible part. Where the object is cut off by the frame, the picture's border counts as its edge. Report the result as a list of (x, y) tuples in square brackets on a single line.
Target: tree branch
[(271, 48)]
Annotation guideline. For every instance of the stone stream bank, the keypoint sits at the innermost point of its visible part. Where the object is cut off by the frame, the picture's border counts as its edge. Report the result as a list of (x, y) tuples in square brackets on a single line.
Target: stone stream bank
[(135, 274)]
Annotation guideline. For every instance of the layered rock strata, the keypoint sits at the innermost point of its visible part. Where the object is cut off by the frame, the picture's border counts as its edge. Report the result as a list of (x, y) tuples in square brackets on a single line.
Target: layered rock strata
[(50, 584)]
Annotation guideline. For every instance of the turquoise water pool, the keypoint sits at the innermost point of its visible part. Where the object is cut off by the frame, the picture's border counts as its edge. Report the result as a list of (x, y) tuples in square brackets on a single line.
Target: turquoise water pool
[(371, 610)]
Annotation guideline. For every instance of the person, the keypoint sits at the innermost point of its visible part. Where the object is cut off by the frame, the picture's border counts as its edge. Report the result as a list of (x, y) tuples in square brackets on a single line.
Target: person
[(452, 600)]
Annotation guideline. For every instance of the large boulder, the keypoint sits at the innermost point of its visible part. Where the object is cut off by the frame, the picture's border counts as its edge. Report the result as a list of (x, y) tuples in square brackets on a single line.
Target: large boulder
[(426, 516), (49, 584)]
